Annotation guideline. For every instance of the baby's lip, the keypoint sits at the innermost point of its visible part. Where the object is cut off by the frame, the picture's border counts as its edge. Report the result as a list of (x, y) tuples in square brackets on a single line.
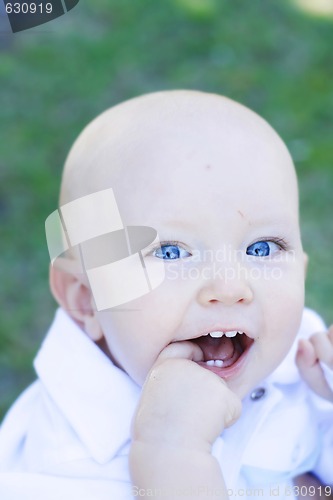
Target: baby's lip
[(217, 328)]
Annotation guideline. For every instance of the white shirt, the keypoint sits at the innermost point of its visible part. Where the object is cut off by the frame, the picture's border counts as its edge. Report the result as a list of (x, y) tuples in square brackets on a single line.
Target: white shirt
[(68, 435)]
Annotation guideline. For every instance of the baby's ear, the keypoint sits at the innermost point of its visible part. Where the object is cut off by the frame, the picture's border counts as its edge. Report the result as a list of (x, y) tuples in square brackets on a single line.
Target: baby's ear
[(71, 290), (306, 262)]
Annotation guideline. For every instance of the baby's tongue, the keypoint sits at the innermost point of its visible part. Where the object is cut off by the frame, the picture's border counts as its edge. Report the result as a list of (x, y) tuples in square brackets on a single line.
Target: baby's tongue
[(212, 348)]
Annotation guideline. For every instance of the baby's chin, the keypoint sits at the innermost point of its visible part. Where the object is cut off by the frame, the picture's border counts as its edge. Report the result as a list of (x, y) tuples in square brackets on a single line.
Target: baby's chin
[(251, 382), (242, 390)]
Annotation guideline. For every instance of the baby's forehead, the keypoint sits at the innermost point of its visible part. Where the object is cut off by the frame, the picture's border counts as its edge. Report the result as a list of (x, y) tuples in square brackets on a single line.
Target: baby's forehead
[(147, 141), (155, 115)]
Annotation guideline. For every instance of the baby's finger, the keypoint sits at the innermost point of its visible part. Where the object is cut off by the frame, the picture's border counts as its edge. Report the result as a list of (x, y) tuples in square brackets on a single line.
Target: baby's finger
[(311, 371), (184, 350), (306, 356), (330, 333), (323, 346)]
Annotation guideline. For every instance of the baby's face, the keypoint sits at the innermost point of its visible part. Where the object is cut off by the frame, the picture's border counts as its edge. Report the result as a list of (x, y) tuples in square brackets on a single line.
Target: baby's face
[(223, 199)]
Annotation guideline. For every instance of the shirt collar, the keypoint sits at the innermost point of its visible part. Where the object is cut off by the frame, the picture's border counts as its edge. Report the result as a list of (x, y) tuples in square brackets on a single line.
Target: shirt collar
[(97, 398)]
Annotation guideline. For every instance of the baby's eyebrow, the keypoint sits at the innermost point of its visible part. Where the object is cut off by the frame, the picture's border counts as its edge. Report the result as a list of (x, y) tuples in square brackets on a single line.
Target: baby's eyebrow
[(178, 224), (276, 221)]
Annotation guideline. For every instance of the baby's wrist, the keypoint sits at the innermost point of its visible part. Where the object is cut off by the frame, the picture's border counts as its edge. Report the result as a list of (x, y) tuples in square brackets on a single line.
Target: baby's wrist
[(176, 439), (163, 456), (169, 469)]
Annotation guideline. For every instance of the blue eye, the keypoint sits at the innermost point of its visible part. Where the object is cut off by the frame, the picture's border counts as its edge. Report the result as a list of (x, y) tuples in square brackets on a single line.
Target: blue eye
[(170, 252), (262, 248)]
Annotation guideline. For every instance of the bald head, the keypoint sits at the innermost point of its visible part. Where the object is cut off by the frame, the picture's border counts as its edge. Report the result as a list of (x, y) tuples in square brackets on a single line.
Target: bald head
[(124, 142)]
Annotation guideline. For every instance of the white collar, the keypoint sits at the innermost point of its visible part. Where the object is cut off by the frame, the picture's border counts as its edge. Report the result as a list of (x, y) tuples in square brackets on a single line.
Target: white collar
[(97, 398)]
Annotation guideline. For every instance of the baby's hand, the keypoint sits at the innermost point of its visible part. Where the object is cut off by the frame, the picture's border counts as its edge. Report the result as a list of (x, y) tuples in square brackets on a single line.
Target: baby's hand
[(183, 404), (311, 353), (182, 410)]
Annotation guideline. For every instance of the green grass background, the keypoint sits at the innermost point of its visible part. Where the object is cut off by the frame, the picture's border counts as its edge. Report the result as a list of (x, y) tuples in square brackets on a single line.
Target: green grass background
[(56, 78)]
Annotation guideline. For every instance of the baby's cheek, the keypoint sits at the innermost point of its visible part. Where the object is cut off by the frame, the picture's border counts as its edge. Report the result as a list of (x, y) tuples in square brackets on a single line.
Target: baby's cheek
[(282, 307), (287, 288)]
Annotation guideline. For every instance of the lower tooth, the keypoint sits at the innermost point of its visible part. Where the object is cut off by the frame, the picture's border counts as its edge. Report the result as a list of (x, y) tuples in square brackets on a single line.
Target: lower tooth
[(215, 362)]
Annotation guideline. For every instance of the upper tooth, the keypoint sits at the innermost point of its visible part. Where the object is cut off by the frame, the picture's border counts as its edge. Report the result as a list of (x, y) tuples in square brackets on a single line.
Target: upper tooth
[(216, 334), (232, 333)]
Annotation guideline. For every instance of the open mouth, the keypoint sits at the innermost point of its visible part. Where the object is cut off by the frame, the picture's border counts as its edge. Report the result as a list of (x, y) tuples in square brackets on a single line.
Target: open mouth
[(224, 351)]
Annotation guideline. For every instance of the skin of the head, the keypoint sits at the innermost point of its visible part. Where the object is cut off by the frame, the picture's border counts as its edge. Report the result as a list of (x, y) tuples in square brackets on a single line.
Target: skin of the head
[(210, 174)]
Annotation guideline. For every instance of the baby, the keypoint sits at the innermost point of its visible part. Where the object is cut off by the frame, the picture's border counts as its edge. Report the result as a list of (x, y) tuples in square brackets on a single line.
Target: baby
[(169, 370)]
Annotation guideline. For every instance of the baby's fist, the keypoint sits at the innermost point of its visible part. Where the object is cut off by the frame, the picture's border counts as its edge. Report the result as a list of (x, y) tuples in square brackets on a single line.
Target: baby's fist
[(182, 403), (312, 358)]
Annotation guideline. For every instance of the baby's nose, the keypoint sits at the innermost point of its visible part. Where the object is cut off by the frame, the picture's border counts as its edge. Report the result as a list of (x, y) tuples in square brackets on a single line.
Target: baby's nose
[(227, 285)]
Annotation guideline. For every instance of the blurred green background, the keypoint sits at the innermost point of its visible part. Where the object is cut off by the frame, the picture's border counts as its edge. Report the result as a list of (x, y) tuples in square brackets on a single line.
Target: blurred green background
[(54, 79)]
